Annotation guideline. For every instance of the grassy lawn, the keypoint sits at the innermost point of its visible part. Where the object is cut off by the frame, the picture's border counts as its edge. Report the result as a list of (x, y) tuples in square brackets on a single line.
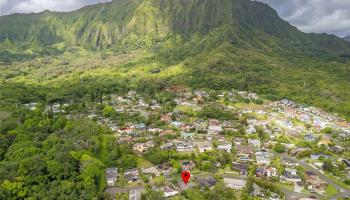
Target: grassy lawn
[(338, 182), (285, 186), (248, 105), (226, 169), (330, 190), (142, 163)]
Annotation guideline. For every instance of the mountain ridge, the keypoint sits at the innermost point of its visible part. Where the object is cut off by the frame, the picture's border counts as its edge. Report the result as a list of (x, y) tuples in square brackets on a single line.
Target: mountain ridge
[(224, 44), (123, 23)]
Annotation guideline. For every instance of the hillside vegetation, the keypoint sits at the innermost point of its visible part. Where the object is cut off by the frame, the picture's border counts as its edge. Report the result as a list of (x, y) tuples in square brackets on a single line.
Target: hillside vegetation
[(151, 44)]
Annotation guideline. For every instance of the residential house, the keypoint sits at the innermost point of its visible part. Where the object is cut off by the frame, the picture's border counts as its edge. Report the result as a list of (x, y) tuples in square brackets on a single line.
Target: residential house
[(177, 124), (165, 169), (241, 168), (207, 182), (152, 170), (250, 129), (254, 142), (142, 147), (310, 137), (155, 130), (203, 146), (290, 175), (266, 172), (140, 126), (131, 175), (224, 146), (184, 146), (239, 141), (185, 135), (169, 192), (214, 126), (336, 149), (111, 176), (167, 146), (262, 157), (315, 182), (289, 162), (187, 165), (126, 130), (244, 153), (31, 106), (229, 126), (316, 156)]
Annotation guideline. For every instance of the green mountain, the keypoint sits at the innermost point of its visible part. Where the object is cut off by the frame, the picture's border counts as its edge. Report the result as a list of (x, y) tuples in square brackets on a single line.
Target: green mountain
[(131, 23), (220, 44)]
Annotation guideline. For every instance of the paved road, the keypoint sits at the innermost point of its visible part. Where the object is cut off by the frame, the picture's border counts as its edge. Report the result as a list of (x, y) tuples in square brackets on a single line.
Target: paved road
[(291, 195), (342, 191)]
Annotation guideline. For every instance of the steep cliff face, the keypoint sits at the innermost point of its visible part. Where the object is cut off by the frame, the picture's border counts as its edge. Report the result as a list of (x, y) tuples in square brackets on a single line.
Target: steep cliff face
[(144, 23)]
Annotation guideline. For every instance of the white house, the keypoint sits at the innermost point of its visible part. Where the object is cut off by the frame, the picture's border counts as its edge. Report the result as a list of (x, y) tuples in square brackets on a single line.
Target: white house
[(168, 192), (262, 158), (184, 146), (225, 146), (151, 170), (290, 175), (254, 142), (214, 126), (203, 146), (251, 129), (266, 171)]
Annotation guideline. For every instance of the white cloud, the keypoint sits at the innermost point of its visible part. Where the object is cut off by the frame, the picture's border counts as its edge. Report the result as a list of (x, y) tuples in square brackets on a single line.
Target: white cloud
[(319, 16), (28, 6)]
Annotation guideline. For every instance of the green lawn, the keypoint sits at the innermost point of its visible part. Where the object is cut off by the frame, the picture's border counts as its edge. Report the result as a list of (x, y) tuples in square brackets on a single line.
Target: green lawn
[(142, 163), (285, 186), (330, 190), (340, 183)]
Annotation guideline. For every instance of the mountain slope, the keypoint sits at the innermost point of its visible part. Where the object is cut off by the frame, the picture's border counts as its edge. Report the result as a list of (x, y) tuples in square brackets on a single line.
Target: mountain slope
[(123, 23), (239, 44)]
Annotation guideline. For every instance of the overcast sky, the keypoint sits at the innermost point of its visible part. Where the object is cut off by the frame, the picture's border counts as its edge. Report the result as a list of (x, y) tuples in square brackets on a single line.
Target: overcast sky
[(330, 16)]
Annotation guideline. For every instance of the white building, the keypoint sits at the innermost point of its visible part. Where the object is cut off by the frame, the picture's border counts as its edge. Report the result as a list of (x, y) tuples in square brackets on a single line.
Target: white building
[(168, 192), (262, 158), (225, 146), (203, 146)]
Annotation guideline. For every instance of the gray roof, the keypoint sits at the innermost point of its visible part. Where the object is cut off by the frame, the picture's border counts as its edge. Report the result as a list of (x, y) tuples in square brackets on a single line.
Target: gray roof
[(111, 173)]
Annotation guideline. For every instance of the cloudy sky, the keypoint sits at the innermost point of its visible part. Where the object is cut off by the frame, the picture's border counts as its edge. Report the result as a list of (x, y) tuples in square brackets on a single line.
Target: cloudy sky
[(330, 16)]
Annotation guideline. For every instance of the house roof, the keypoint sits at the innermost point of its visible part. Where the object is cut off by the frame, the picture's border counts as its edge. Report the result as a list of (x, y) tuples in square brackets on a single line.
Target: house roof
[(111, 173), (240, 166)]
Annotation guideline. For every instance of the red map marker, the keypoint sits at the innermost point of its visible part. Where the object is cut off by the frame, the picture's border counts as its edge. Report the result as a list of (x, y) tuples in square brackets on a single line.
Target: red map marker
[(185, 175)]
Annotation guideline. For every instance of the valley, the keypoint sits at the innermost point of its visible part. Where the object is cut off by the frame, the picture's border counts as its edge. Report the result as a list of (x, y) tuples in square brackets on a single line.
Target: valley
[(116, 100)]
